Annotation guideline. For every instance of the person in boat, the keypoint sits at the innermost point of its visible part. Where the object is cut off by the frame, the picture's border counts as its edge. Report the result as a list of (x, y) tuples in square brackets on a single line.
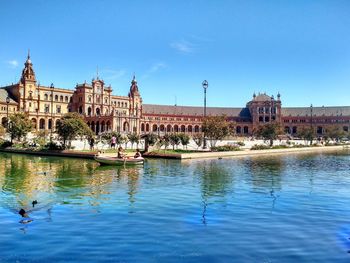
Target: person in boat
[(121, 153), (137, 154)]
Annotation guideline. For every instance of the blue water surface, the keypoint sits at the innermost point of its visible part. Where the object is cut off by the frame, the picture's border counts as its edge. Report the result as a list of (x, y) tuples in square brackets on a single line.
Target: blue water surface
[(288, 208)]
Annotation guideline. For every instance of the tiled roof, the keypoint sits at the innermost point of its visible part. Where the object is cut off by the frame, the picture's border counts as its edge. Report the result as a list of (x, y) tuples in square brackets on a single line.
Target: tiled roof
[(262, 97), (317, 111), (4, 94), (194, 111), (243, 112)]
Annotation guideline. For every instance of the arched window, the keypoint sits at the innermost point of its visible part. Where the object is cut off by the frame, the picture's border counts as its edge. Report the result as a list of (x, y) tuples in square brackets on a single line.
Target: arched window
[(168, 128), (89, 111), (189, 128), (34, 123), (294, 130), (61, 98), (56, 97), (154, 127), (261, 119), (66, 98), (183, 128), (42, 124), (238, 129), (176, 128), (126, 127), (142, 127), (161, 128), (98, 111), (46, 97), (196, 128), (147, 127), (245, 129)]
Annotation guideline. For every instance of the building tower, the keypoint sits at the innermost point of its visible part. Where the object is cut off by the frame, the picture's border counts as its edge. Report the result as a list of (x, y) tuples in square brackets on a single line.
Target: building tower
[(27, 87), (135, 109)]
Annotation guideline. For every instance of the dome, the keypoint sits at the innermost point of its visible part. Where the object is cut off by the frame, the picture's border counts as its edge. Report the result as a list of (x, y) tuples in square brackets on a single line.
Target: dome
[(262, 97)]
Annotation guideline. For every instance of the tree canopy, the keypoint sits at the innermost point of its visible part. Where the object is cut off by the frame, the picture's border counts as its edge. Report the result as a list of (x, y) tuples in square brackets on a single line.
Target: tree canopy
[(19, 125), (269, 132), (72, 126), (215, 128), (307, 133)]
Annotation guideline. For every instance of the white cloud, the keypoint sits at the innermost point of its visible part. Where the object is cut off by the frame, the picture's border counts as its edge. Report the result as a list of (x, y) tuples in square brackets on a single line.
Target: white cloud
[(183, 46), (112, 74), (12, 63), (154, 68)]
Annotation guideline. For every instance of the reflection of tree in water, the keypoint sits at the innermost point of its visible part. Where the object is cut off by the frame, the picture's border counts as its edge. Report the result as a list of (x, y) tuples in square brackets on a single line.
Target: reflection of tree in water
[(266, 174), (27, 178), (216, 180), (131, 174)]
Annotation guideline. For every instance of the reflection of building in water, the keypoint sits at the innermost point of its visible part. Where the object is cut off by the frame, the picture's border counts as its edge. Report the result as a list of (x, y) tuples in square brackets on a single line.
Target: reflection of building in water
[(131, 174), (265, 172), (22, 176), (216, 180), (54, 180), (25, 179)]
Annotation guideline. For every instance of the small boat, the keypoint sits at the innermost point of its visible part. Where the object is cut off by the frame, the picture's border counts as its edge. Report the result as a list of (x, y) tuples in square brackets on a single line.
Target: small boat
[(119, 161)]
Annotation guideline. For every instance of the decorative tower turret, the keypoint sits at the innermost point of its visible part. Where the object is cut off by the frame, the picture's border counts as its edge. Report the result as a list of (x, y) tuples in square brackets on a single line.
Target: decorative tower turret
[(27, 86), (135, 102), (28, 74)]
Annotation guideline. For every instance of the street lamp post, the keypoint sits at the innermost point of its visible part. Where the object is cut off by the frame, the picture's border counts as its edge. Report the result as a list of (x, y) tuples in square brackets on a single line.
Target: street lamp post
[(52, 88), (7, 112), (205, 86), (311, 112)]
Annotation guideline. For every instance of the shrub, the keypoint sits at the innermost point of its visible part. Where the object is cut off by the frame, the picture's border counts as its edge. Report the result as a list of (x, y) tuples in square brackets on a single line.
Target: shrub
[(240, 143), (225, 148), (260, 147), (53, 146), (5, 144), (280, 147)]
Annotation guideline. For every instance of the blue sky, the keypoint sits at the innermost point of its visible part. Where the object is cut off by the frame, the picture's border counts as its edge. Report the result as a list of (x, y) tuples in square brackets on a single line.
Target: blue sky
[(299, 48)]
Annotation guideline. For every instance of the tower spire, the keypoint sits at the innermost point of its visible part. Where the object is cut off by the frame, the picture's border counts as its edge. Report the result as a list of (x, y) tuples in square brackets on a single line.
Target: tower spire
[(97, 72)]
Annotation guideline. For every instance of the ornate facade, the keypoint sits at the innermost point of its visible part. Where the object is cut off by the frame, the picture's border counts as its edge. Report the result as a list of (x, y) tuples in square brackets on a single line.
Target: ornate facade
[(103, 111)]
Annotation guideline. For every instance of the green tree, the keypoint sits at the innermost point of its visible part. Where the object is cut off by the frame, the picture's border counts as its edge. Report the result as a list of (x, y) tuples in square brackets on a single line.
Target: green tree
[(40, 138), (334, 133), (2, 131), (164, 141), (215, 128), (19, 126), (307, 134), (72, 126), (134, 138), (185, 139), (150, 140), (174, 140), (269, 132), (198, 139)]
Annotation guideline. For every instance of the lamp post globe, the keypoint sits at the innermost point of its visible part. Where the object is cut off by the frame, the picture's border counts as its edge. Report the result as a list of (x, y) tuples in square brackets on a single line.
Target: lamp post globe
[(311, 113)]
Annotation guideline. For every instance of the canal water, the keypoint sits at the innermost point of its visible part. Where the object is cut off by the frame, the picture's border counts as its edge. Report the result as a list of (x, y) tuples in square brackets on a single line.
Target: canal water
[(290, 208)]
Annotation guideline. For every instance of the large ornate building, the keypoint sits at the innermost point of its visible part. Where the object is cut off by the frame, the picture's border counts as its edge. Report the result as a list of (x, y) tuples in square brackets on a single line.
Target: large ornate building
[(103, 111)]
